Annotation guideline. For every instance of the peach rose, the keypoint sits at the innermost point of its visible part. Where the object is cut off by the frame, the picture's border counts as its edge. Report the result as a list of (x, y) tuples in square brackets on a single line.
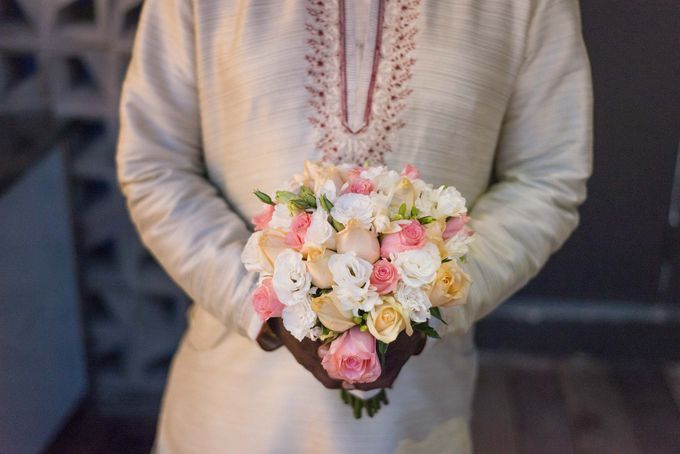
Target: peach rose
[(261, 220), (456, 225), (331, 314), (450, 287), (352, 358), (411, 236), (317, 266), (265, 302), (387, 320), (384, 277), (298, 229), (355, 238)]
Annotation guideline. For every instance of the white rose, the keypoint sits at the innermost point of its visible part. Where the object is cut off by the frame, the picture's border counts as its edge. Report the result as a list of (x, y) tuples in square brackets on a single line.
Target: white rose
[(449, 203), (418, 267), (352, 277), (291, 281), (353, 206), (415, 302), (320, 233), (458, 245), (299, 319), (281, 217), (253, 257)]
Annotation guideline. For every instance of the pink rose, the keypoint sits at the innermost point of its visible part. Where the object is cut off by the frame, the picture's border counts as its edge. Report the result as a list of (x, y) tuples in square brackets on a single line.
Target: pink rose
[(410, 172), (352, 358), (384, 277), (354, 173), (298, 230), (411, 236), (456, 225), (360, 186), (261, 220), (265, 302)]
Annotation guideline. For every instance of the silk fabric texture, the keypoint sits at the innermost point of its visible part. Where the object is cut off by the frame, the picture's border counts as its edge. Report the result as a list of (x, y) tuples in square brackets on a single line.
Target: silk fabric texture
[(215, 105)]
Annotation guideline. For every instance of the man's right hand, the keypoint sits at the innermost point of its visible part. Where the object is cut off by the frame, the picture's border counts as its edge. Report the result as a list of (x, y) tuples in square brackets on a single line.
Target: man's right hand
[(305, 352)]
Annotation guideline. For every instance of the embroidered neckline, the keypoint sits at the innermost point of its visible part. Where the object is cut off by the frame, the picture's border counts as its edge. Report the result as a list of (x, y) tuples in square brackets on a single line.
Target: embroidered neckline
[(387, 91)]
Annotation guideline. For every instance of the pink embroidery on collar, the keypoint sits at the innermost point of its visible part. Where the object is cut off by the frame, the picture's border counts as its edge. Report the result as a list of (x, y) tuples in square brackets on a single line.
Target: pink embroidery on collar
[(387, 92)]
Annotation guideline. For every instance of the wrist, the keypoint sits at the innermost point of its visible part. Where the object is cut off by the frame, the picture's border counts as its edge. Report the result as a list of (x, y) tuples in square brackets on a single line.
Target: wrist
[(267, 339)]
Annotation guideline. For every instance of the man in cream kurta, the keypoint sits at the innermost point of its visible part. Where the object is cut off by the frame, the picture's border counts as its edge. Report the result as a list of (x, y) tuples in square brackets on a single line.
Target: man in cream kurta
[(224, 96)]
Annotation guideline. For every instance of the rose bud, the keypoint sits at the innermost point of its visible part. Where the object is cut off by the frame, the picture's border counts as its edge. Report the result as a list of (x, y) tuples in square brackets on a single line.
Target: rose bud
[(329, 311), (317, 266), (261, 220), (456, 225), (355, 238), (410, 172)]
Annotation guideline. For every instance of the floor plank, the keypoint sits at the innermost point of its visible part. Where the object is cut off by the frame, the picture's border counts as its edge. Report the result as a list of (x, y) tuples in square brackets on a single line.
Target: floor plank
[(599, 422), (492, 423), (650, 405), (541, 419)]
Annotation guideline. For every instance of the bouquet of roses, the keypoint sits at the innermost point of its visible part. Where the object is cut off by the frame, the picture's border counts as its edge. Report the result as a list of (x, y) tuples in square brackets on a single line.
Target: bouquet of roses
[(353, 256)]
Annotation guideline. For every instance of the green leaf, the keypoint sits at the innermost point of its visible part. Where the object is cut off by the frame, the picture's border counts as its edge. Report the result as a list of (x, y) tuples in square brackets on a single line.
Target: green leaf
[(402, 210), (446, 259), (264, 197), (382, 351), (338, 226), (463, 259), (414, 212), (436, 313), (285, 196), (427, 330), (308, 196), (325, 203), (426, 220)]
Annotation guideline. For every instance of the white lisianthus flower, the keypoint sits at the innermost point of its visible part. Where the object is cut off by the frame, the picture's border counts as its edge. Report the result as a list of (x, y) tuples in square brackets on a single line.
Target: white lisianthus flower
[(352, 276), (328, 189), (291, 281), (387, 182), (380, 209), (320, 233), (353, 206), (299, 319), (458, 245), (348, 270), (281, 218), (356, 298), (449, 203), (253, 257), (426, 200), (418, 267), (372, 172), (415, 302)]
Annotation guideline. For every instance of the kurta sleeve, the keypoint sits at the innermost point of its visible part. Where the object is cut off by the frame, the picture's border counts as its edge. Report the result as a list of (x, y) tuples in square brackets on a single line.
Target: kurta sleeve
[(180, 215), (543, 160)]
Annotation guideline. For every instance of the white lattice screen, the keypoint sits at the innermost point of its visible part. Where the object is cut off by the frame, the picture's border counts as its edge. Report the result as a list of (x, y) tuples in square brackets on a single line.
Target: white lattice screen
[(69, 56)]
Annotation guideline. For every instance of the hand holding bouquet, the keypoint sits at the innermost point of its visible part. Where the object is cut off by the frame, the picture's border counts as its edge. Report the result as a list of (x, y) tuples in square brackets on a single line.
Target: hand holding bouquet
[(352, 257)]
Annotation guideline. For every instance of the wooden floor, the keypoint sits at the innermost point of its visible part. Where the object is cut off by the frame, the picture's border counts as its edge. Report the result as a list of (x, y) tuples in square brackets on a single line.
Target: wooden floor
[(523, 405)]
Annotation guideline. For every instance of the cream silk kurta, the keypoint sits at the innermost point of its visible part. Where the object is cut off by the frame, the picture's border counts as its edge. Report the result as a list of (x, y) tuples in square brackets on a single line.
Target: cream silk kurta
[(222, 97)]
